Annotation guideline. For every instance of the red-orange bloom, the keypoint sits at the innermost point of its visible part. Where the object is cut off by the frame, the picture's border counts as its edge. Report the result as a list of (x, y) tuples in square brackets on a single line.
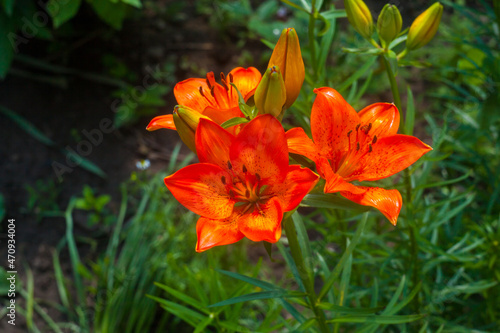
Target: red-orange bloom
[(217, 101), (242, 185), (350, 146)]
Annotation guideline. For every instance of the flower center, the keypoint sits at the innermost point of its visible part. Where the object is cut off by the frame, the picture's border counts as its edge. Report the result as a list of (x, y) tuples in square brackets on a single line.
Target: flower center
[(360, 144), (247, 190)]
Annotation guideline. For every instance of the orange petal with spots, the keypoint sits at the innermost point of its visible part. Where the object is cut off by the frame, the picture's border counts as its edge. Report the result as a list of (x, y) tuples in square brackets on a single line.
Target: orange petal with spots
[(263, 223), (187, 93), (217, 232), (299, 143), (166, 121), (388, 202), (261, 148), (298, 182), (212, 143), (390, 155), (201, 189), (331, 119), (246, 79), (384, 118)]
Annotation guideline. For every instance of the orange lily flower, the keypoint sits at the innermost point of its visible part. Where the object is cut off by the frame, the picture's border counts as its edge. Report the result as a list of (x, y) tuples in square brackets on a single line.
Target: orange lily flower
[(217, 101), (243, 184), (350, 146)]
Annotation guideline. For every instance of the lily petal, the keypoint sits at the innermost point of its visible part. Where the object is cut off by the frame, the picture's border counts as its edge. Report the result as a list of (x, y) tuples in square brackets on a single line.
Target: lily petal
[(334, 182), (261, 149), (331, 119), (217, 232), (388, 202), (299, 181), (222, 115), (384, 118), (212, 143), (263, 224), (390, 155), (201, 189), (246, 79), (188, 93), (166, 121), (299, 143)]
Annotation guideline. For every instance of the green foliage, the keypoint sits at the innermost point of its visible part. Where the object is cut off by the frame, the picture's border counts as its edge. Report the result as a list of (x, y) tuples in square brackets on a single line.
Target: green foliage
[(95, 205), (42, 198)]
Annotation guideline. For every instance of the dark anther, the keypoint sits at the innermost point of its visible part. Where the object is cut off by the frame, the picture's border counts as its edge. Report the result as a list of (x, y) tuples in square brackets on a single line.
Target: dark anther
[(201, 91), (244, 169), (231, 193), (212, 92), (257, 176), (374, 139), (247, 193), (223, 179), (369, 128), (348, 133), (370, 149), (231, 77), (229, 165), (208, 83), (357, 127), (222, 76), (357, 146)]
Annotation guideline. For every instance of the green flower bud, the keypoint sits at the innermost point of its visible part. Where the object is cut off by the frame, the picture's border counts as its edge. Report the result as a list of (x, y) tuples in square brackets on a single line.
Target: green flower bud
[(389, 24), (186, 121), (424, 27), (270, 95), (360, 17)]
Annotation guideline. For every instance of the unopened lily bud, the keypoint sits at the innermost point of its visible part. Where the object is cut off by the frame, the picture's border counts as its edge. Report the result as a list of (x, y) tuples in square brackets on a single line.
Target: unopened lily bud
[(360, 17), (424, 27), (288, 57), (389, 24), (186, 121), (270, 96)]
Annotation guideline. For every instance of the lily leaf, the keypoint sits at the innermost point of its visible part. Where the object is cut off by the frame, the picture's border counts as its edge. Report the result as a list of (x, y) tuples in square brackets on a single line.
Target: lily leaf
[(260, 295), (234, 121)]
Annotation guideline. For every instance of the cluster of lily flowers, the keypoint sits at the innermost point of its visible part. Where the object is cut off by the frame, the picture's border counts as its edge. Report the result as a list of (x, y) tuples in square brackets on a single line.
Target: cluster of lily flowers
[(244, 182)]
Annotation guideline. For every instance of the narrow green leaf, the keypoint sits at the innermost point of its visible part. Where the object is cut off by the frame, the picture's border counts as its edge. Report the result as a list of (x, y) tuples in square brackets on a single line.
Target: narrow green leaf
[(61, 286), (29, 299), (378, 319), (269, 249), (26, 126), (84, 163), (444, 183), (234, 121), (306, 325), (410, 112), (395, 297), (348, 310), (340, 265), (260, 295), (247, 279), (332, 201), (360, 72), (202, 325), (183, 297), (191, 317)]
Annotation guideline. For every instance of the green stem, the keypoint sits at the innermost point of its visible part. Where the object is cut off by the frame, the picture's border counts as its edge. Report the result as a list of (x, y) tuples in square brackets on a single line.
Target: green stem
[(408, 198), (305, 275), (395, 92), (312, 45)]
